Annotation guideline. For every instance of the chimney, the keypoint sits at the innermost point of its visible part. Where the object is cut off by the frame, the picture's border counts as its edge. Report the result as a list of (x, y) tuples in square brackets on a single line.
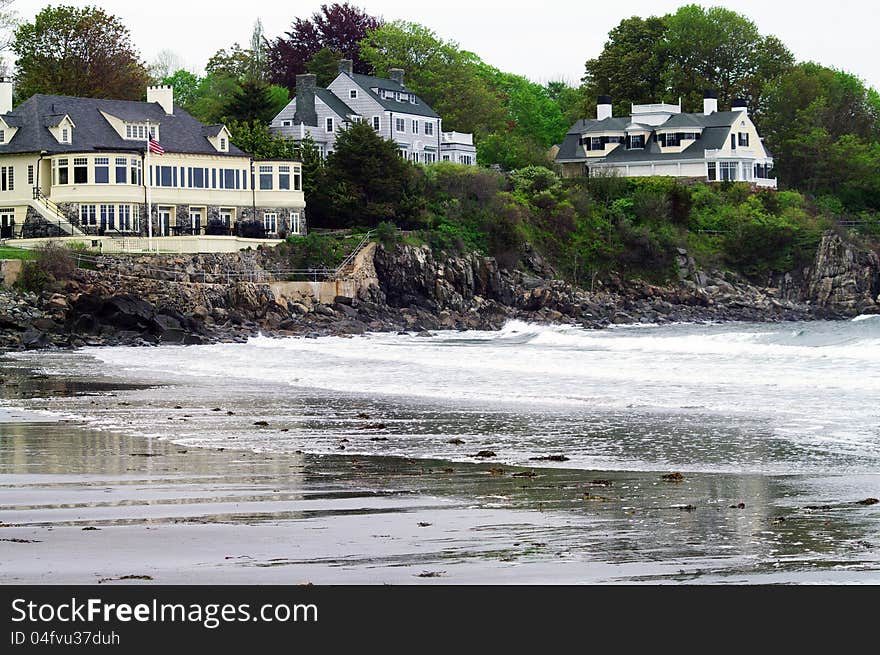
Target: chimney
[(5, 95), (603, 108), (396, 75), (162, 94), (710, 102), (305, 96), (739, 104), (346, 66)]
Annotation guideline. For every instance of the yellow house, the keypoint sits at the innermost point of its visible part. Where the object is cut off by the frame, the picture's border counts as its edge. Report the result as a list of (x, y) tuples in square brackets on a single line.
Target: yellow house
[(81, 166)]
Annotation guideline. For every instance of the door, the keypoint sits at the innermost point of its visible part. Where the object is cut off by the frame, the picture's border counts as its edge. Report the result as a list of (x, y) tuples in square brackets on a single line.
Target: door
[(164, 221), (7, 224), (195, 220)]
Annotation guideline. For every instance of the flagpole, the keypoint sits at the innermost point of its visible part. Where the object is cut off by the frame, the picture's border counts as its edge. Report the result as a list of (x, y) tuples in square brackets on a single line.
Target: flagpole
[(147, 174)]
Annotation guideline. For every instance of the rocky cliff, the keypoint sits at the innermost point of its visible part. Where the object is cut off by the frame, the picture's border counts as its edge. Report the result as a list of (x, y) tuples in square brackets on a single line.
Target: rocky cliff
[(414, 289)]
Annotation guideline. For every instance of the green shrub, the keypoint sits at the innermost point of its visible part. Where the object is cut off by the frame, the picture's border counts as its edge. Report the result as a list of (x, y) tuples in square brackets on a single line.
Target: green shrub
[(52, 262)]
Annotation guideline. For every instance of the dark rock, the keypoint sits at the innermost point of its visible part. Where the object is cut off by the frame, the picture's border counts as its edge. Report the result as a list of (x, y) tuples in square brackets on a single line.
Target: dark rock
[(673, 477), (868, 501), (549, 458), (485, 454)]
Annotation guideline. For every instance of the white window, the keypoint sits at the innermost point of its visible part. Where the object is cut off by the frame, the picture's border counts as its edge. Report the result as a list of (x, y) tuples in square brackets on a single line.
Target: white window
[(466, 159), (430, 158), (128, 134), (270, 222), (265, 178), (429, 128), (414, 156), (195, 219), (402, 153), (286, 123), (329, 124), (284, 178), (87, 215), (102, 170), (400, 124), (2, 136), (377, 123), (65, 135), (294, 222), (126, 224), (727, 170), (7, 178), (223, 144), (415, 125), (353, 94), (108, 217), (30, 174), (445, 157)]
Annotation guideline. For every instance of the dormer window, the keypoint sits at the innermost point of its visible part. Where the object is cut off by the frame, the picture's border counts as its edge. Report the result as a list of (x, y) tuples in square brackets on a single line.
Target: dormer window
[(65, 135), (2, 136), (140, 131), (223, 146)]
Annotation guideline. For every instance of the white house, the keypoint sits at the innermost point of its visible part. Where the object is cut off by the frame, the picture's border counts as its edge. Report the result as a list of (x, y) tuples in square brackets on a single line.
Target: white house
[(387, 105), (78, 166), (659, 139)]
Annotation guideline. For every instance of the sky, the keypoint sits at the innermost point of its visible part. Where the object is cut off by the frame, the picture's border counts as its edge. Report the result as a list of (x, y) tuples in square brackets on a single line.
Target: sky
[(544, 41)]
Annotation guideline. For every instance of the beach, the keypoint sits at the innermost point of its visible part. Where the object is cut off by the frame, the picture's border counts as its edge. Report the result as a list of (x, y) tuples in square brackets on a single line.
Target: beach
[(85, 499)]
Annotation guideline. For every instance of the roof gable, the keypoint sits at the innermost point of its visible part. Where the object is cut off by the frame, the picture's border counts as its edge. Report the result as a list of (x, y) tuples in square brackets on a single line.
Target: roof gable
[(178, 132)]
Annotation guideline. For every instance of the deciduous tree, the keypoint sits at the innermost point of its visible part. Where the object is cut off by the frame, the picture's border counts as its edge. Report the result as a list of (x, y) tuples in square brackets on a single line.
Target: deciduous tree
[(80, 52), (340, 27)]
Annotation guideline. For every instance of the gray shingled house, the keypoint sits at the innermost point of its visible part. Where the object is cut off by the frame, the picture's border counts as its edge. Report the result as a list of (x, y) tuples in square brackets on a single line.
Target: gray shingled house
[(387, 105)]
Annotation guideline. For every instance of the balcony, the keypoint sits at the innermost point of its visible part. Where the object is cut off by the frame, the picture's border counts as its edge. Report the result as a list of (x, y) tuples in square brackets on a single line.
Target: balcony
[(459, 138)]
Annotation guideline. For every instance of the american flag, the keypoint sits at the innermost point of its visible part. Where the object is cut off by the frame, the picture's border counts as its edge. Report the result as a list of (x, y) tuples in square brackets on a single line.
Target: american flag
[(155, 147)]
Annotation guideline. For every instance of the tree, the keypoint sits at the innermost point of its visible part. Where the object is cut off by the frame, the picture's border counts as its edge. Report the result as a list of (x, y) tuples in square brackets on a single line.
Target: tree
[(8, 21), (80, 52), (339, 27), (324, 65), (165, 64), (257, 69), (237, 63), (251, 102), (823, 127), (631, 67), (186, 87), (364, 182), (312, 164), (255, 138), (719, 49), (449, 79)]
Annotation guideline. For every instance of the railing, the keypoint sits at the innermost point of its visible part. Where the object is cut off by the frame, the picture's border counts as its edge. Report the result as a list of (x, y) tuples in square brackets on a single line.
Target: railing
[(354, 253), (53, 208)]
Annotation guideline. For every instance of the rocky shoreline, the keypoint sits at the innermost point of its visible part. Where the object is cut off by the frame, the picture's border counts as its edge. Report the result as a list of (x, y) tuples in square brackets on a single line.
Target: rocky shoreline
[(410, 289)]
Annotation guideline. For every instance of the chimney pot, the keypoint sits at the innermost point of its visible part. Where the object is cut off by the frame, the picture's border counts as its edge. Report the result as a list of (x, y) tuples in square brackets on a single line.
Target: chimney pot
[(739, 104), (603, 108), (710, 101)]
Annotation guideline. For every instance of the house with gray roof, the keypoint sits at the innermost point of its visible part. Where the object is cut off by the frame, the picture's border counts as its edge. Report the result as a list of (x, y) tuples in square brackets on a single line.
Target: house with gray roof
[(659, 139), (80, 167), (393, 110)]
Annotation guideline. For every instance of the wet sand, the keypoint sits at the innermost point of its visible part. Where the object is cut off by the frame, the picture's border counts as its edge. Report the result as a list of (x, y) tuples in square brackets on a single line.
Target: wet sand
[(84, 506)]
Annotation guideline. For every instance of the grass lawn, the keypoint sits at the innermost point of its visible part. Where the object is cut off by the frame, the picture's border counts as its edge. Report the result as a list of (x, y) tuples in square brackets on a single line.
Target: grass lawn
[(15, 253)]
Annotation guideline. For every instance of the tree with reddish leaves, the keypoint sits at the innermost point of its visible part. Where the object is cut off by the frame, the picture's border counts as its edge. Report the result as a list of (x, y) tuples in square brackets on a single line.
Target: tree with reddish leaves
[(338, 27)]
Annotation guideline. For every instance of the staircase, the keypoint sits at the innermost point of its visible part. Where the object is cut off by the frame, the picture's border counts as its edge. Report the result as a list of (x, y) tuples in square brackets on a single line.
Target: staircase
[(347, 266), (53, 214)]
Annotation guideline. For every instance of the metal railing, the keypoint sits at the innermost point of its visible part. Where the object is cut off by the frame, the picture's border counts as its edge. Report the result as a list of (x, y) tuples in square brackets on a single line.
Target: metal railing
[(53, 208), (354, 253)]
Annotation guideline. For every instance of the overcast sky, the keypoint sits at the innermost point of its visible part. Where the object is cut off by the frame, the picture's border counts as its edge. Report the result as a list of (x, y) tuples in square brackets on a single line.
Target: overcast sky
[(544, 40)]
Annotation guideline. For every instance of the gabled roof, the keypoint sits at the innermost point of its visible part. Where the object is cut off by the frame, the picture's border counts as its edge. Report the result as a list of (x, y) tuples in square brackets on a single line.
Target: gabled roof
[(212, 130), (178, 132), (714, 128), (334, 103), (368, 83)]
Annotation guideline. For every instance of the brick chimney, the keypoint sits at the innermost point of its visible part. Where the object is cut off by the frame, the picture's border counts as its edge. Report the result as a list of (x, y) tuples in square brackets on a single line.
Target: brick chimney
[(164, 95), (346, 66), (305, 98), (396, 75)]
